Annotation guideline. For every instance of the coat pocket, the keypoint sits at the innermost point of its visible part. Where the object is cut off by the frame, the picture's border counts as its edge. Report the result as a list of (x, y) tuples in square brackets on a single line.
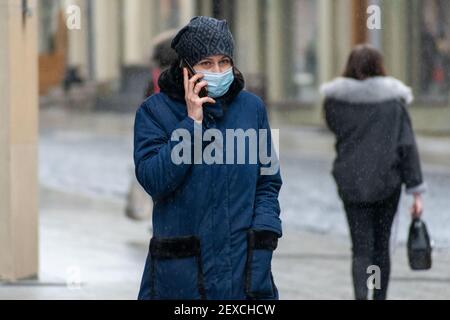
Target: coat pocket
[(176, 269), (259, 282)]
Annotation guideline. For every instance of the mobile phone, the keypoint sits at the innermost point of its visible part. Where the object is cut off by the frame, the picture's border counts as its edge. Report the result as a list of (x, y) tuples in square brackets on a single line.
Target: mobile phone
[(191, 72)]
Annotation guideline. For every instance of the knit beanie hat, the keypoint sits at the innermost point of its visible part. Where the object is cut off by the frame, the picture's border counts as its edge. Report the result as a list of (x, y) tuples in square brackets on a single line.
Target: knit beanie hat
[(203, 37)]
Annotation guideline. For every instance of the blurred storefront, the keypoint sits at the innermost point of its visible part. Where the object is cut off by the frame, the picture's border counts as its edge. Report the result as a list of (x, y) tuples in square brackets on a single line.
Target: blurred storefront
[(52, 45), (317, 36), (285, 48)]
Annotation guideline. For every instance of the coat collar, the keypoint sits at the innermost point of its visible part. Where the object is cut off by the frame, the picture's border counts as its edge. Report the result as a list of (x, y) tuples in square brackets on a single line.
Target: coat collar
[(370, 90)]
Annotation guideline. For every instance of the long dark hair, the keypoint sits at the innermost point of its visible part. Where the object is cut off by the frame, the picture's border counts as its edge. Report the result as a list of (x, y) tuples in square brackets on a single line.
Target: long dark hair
[(364, 62)]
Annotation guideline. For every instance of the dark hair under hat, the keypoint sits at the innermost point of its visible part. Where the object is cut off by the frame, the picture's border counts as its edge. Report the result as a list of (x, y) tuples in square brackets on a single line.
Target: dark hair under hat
[(203, 37)]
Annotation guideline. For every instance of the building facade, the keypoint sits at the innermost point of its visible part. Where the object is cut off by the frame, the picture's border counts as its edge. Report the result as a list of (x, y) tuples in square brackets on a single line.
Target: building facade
[(290, 46)]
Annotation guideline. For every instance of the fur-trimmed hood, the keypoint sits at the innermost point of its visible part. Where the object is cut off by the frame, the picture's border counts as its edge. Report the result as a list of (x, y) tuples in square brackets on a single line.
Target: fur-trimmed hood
[(370, 90)]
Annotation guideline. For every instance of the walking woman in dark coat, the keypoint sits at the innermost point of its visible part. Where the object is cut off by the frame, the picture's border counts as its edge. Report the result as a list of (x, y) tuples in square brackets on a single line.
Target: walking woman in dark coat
[(376, 155), (215, 225)]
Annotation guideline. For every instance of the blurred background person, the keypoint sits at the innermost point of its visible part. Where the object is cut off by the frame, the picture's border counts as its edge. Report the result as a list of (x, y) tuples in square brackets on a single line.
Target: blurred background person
[(376, 155), (162, 57), (139, 205)]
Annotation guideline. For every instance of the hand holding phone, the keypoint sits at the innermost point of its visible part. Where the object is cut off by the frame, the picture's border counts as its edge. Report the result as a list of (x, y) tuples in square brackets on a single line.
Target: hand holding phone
[(192, 88), (203, 91)]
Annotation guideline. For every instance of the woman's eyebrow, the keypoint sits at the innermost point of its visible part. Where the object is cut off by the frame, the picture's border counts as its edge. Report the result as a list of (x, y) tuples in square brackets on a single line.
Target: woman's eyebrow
[(212, 60)]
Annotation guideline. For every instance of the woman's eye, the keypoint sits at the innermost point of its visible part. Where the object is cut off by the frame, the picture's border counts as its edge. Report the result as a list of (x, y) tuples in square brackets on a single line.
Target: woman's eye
[(225, 62), (206, 63)]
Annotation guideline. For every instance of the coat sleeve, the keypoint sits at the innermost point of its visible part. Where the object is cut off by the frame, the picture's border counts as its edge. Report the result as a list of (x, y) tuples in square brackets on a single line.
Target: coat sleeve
[(410, 167), (154, 168), (267, 208)]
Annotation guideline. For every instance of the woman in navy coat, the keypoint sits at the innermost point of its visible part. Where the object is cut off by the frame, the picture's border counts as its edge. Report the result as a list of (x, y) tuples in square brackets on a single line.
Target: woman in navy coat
[(215, 223)]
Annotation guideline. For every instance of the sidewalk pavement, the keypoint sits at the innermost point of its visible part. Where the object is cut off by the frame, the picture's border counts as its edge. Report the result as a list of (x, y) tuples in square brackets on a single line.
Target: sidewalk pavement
[(317, 266), (91, 241)]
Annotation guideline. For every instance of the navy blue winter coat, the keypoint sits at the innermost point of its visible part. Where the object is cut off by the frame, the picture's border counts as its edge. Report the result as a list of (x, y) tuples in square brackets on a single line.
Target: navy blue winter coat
[(214, 226)]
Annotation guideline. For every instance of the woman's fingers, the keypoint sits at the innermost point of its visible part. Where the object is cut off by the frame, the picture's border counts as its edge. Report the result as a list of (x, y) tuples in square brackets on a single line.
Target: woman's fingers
[(417, 214), (417, 208), (199, 86), (419, 205), (191, 88), (193, 81), (186, 80), (207, 100)]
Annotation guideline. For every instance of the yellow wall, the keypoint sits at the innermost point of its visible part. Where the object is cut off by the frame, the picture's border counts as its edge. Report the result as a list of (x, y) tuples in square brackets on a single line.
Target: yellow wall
[(18, 143)]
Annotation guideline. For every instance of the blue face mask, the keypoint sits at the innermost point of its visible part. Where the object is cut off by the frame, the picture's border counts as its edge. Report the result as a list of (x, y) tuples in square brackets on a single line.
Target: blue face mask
[(218, 83)]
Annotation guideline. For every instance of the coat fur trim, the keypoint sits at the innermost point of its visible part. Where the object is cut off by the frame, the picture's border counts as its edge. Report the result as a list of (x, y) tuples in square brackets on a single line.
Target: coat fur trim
[(370, 90)]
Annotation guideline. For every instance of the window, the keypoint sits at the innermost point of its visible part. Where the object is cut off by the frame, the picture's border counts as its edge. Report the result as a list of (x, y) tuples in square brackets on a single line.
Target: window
[(169, 14), (304, 34), (48, 10), (431, 44)]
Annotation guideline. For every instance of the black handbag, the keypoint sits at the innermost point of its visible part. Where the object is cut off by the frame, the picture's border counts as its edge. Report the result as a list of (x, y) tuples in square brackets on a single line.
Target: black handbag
[(419, 246)]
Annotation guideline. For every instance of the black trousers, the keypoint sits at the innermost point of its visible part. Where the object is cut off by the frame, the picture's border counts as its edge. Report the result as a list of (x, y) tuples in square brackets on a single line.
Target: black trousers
[(370, 229)]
